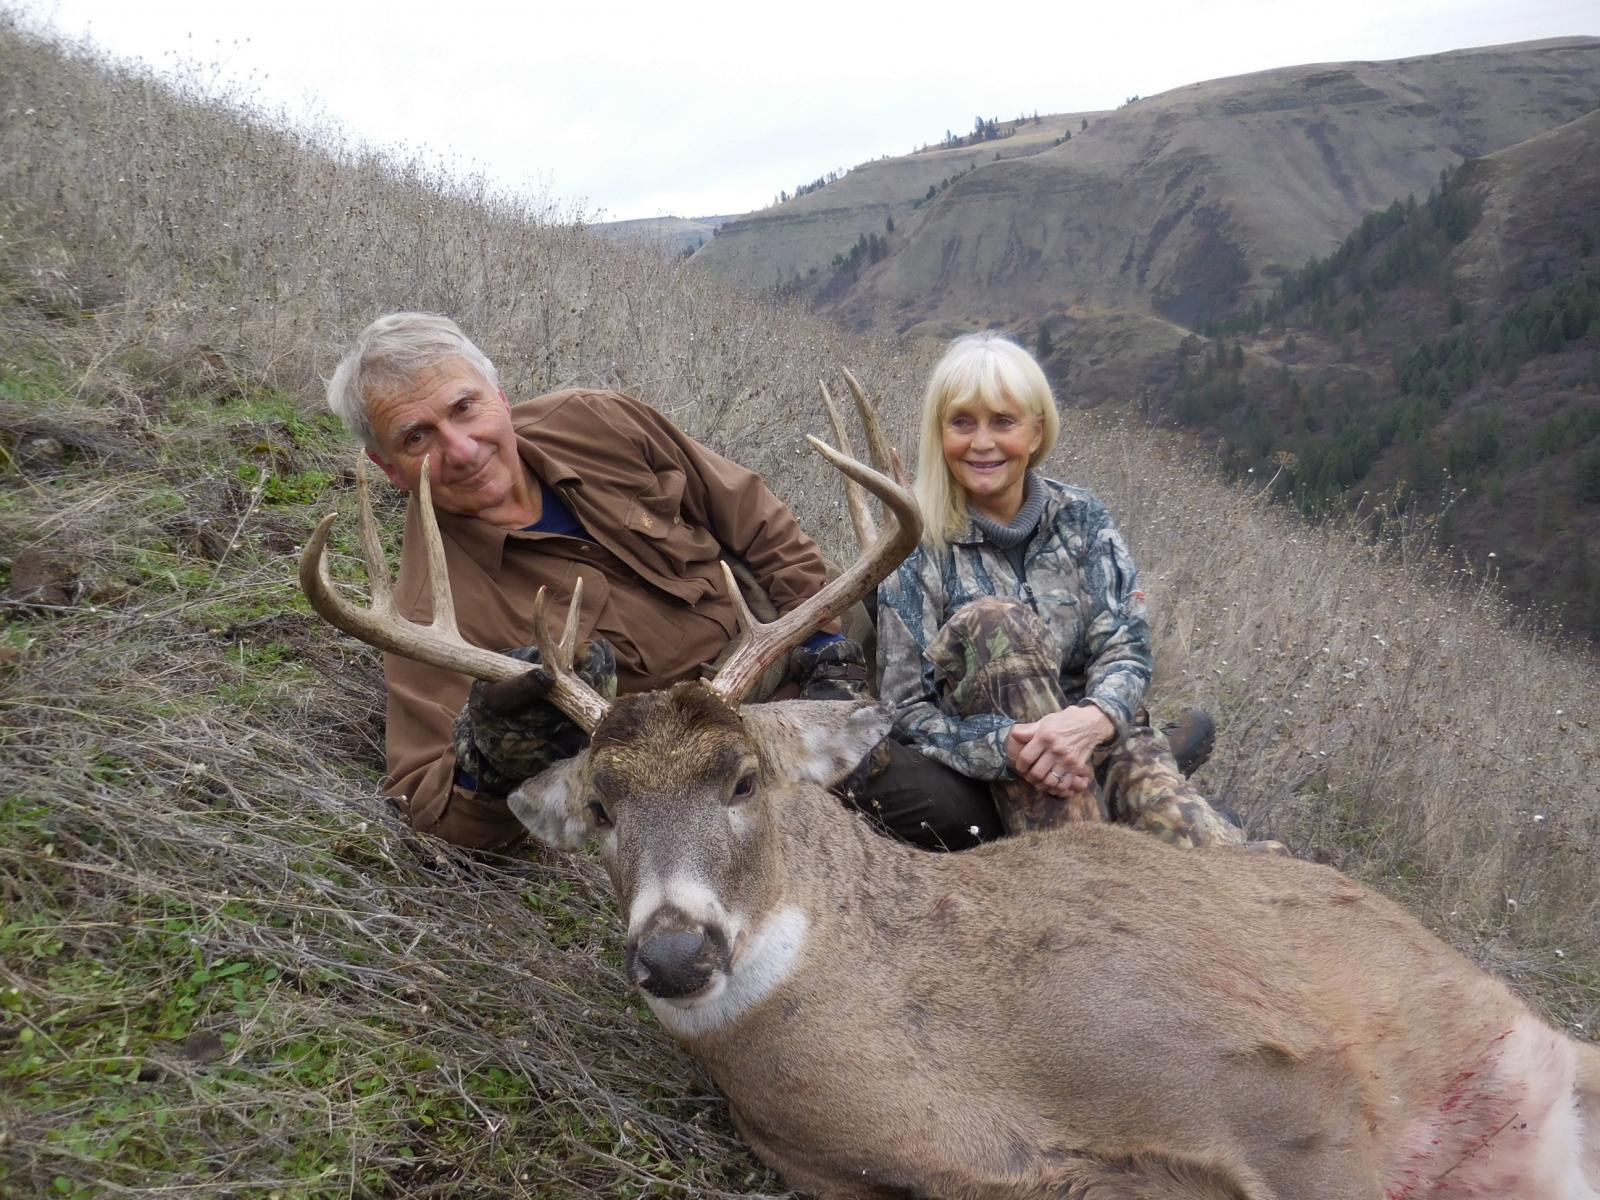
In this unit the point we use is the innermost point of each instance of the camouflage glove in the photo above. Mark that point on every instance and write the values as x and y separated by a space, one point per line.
835 671
508 732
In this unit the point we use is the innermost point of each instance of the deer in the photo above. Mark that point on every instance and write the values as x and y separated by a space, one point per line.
1083 1012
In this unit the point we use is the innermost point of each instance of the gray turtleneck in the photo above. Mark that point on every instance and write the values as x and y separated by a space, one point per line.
1014 538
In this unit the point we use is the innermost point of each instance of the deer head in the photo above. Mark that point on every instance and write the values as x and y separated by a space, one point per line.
677 785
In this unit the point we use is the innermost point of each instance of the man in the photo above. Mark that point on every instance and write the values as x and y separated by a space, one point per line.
577 484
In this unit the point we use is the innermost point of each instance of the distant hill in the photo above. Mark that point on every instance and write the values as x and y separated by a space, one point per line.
1180 206
793 245
682 234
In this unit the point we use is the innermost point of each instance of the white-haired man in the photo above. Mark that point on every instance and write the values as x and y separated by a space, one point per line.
577 484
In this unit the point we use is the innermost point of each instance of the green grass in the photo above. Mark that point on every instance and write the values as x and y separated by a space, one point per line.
226 968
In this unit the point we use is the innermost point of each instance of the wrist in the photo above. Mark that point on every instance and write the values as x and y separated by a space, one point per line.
1105 727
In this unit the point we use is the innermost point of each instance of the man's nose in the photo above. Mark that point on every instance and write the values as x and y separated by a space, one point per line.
455 446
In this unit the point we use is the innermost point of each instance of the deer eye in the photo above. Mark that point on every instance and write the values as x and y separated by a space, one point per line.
744 789
597 811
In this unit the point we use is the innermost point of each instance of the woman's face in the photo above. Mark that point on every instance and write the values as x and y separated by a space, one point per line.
987 449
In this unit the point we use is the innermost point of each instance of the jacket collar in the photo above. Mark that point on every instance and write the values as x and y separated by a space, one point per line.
1054 497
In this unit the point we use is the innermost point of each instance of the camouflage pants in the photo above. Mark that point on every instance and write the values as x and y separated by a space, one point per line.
996 655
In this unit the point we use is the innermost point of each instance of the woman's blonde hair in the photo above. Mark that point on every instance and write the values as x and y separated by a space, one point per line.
979 370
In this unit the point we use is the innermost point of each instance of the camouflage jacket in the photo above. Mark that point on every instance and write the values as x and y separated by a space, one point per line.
1077 575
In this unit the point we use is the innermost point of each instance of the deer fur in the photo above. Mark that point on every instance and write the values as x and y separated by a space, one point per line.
1083 1013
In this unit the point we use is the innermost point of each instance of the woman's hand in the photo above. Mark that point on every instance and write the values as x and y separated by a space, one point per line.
1054 753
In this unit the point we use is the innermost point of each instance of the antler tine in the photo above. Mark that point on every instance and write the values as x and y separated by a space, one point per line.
378 581
760 645
439 643
444 605
884 456
860 514
571 694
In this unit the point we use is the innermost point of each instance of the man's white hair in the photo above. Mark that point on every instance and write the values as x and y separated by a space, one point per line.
388 355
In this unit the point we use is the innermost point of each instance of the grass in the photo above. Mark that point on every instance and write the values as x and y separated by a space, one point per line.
227 969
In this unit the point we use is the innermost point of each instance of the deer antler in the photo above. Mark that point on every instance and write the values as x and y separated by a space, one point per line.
438 643
860 514
571 693
884 456
762 644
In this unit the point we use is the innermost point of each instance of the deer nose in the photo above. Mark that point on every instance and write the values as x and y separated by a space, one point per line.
672 964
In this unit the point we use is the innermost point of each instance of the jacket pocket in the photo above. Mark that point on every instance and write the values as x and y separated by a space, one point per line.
656 510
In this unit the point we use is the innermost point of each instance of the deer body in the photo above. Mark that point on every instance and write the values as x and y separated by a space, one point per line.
1078 1014
1076 1009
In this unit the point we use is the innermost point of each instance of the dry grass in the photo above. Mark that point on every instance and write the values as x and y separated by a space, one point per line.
229 971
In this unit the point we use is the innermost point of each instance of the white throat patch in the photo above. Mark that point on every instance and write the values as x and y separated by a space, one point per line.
764 962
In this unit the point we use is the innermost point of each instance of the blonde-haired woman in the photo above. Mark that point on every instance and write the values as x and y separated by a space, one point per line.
1013 640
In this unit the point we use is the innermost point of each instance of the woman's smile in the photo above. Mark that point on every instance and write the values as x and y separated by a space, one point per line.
987 450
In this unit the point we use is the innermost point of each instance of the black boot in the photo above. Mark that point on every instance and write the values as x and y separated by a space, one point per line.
836 671
1191 739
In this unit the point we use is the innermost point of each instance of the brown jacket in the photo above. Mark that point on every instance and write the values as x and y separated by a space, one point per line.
663 510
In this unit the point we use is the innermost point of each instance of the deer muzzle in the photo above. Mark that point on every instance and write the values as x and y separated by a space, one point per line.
677 962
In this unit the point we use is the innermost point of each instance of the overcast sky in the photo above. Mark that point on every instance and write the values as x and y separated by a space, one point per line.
635 110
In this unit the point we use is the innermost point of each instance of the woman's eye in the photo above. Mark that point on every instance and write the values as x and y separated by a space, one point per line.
602 818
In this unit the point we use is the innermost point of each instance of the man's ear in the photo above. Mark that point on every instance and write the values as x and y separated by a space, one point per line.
819 740
389 469
552 806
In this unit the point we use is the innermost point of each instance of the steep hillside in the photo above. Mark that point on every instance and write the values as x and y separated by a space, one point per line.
1180 205
1450 348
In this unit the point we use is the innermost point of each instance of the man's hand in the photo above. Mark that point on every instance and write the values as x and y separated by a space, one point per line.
1055 752
508 731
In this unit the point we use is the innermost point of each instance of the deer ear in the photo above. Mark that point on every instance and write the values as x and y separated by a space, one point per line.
819 740
551 804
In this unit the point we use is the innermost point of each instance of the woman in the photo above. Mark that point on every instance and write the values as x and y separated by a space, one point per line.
1013 640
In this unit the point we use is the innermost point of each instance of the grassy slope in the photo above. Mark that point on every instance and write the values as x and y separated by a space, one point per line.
228 970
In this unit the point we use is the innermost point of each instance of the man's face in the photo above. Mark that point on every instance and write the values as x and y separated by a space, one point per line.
452 416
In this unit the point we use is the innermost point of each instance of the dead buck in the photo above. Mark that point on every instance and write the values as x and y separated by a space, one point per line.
1082 1013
